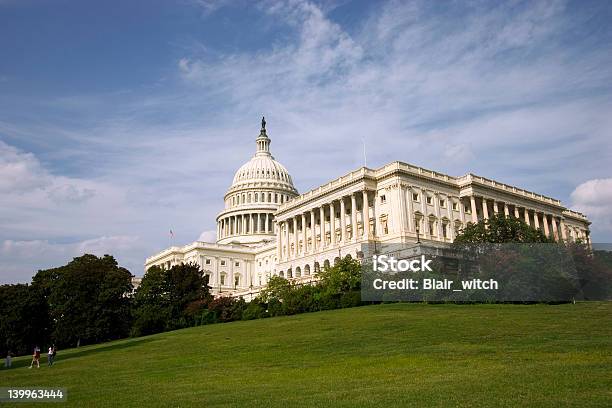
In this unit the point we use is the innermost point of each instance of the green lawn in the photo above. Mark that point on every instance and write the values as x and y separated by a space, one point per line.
385 355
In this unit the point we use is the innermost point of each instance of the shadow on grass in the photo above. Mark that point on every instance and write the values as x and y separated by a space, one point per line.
79 353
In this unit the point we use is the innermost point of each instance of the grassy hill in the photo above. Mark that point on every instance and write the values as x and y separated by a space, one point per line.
385 355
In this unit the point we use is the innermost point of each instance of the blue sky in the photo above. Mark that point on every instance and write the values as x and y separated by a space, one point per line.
121 120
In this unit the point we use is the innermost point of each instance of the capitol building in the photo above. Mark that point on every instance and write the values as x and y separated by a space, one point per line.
267 228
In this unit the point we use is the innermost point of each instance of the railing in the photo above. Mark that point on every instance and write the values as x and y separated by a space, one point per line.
470 178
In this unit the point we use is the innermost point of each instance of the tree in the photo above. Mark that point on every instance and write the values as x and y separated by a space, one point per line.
169 299
24 319
88 299
499 230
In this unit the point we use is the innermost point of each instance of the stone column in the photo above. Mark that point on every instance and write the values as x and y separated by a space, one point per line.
506 210
410 214
527 216
554 228
461 211
425 225
436 199
365 215
402 211
536 221
279 250
563 231
243 224
485 208
267 227
545 222
287 242
354 217
313 231
332 223
450 228
322 216
516 212
296 238
304 237
474 213
342 220
495 207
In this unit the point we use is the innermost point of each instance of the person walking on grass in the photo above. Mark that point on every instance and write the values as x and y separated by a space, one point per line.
36 357
8 361
50 356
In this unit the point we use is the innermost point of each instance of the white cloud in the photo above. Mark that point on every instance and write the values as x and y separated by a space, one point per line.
594 198
20 171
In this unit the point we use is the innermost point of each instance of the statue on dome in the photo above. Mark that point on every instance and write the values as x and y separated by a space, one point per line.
263 123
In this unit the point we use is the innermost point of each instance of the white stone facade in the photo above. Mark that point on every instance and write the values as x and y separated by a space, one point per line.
266 229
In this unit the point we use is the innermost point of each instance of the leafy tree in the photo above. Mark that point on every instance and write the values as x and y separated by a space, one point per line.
88 299
169 299
344 276
500 229
24 319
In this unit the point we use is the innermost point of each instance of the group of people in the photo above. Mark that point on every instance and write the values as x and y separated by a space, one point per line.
8 361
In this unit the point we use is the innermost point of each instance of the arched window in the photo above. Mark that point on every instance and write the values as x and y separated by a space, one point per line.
256 197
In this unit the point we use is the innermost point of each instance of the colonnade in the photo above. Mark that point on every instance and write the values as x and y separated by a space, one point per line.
242 224
552 225
339 221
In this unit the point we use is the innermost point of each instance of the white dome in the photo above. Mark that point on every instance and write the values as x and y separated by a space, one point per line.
262 169
259 187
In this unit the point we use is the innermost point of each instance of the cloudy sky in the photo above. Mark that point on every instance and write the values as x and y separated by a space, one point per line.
122 120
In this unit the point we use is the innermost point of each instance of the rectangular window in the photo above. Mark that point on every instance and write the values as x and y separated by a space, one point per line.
443 203
237 264
428 199
222 263
383 199
455 206
466 208
415 197
208 262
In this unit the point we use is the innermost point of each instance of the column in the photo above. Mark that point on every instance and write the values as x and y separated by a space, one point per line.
354 216
485 208
495 207
436 198
402 208
304 237
251 231
563 231
279 250
474 213
295 237
425 222
313 231
342 220
506 210
516 212
545 221
410 210
461 211
332 223
287 243
554 228
322 216
365 215
243 224
536 221
527 216
267 227
450 228
258 224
